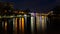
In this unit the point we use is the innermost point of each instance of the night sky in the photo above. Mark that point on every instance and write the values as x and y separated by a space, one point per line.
42 5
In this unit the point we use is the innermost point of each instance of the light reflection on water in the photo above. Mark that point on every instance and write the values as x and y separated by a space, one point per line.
21 24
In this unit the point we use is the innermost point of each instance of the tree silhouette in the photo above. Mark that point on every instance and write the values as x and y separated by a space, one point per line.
8 7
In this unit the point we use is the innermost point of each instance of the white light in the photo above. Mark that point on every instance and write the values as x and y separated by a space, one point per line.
25 15
32 24
32 14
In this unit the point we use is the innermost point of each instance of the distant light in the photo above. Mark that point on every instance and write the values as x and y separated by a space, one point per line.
15 11
51 12
11 16
21 12
32 14
25 15
18 15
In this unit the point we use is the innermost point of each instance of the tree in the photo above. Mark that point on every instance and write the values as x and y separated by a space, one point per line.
9 8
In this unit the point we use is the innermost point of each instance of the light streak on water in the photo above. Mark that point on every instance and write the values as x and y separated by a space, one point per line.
15 25
43 23
25 21
25 18
5 25
2 23
32 25
32 22
38 23
22 25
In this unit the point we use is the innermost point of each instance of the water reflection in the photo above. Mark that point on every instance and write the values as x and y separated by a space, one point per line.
5 25
21 24
15 26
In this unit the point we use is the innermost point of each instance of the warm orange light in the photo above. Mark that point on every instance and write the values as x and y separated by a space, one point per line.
21 12
22 24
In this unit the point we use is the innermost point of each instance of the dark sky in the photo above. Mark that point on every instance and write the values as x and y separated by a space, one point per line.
32 4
